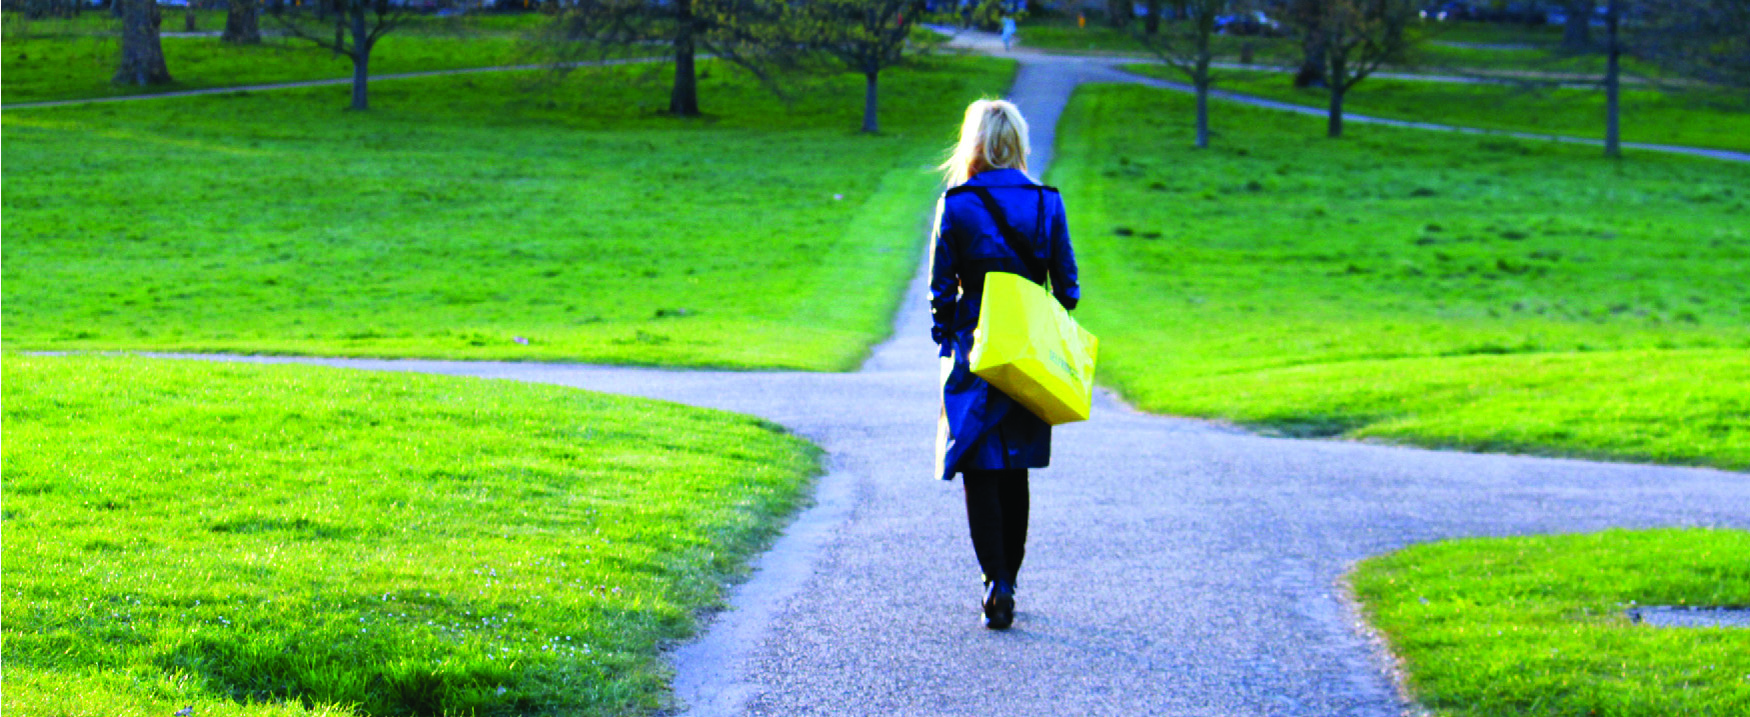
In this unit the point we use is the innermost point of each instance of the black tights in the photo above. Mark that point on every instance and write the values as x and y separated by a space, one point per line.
996 509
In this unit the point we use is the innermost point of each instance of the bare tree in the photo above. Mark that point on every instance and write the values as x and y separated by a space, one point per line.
142 55
866 36
1706 40
1356 37
357 26
745 32
242 23
1185 46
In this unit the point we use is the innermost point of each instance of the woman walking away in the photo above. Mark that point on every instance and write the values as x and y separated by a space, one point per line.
1008 32
994 217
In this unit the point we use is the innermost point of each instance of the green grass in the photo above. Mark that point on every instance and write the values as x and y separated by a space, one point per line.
1412 286
1433 52
56 62
1695 118
188 533
1062 35
1497 33
462 214
1536 625
1053 34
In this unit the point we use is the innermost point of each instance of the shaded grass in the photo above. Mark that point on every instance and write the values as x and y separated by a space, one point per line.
211 534
1444 290
1440 47
48 65
1536 625
1694 118
56 69
463 217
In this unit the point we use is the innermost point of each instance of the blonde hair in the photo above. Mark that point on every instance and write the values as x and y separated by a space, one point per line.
994 136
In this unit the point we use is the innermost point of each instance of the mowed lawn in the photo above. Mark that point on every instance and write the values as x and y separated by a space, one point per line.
1413 286
1539 624
231 537
1715 119
473 217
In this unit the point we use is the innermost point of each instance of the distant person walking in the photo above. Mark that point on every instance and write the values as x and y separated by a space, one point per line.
1008 32
984 435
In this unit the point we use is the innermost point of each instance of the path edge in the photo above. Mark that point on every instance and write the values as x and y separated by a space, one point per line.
1380 655
709 678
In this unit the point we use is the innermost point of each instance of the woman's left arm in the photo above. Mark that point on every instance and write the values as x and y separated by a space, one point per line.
944 281
1063 257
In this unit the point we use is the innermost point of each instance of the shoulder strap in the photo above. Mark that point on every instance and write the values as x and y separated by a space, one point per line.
1017 240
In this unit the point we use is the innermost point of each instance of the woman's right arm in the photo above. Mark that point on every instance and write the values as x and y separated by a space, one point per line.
944 280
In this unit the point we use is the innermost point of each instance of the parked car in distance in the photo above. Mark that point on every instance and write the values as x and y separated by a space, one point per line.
1451 10
1248 23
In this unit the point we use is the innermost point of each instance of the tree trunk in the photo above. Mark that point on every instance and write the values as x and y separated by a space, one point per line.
142 58
188 18
242 23
361 58
1203 111
1205 27
683 101
1613 84
1577 33
1338 79
869 101
1152 24
1312 63
1334 127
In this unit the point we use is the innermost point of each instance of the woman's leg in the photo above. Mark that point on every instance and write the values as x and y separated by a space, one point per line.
1013 490
996 511
984 515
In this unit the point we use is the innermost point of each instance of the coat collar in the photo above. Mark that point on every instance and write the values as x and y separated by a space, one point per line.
1001 178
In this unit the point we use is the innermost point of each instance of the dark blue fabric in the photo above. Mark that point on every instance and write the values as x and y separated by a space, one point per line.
981 428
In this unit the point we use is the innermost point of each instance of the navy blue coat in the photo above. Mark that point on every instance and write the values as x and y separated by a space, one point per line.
980 427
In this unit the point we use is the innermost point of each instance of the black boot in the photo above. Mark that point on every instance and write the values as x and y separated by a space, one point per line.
999 605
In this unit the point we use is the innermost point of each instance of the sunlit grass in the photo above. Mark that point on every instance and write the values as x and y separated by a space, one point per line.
1444 290
210 534
465 217
1536 625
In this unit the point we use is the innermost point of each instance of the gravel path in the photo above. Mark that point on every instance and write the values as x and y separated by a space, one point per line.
1175 567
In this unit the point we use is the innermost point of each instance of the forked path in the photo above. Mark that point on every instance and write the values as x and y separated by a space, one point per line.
1175 567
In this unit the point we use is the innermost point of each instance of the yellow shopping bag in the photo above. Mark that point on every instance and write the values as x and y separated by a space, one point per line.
1028 347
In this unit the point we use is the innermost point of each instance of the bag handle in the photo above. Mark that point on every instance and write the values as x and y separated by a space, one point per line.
1017 240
